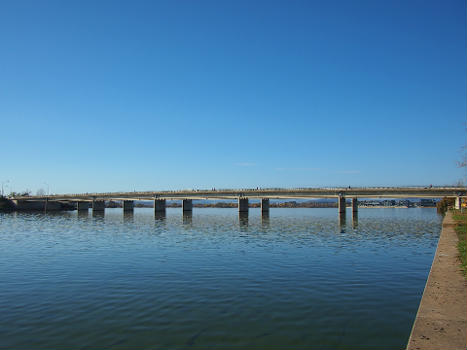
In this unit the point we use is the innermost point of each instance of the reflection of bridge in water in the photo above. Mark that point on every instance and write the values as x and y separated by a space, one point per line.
96 201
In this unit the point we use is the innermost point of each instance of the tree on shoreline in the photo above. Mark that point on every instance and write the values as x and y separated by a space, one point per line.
24 193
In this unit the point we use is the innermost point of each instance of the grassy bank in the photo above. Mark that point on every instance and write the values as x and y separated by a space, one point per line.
461 230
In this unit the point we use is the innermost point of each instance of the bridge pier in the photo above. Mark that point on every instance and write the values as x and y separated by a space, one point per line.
187 205
82 206
188 217
243 219
243 205
98 206
457 204
355 212
354 205
160 215
355 220
341 221
128 205
341 205
264 206
159 205
265 219
128 216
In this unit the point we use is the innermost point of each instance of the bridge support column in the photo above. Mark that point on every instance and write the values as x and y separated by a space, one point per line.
82 206
243 205
264 205
128 205
457 204
265 219
187 217
187 205
341 205
243 219
354 205
98 206
159 205
354 212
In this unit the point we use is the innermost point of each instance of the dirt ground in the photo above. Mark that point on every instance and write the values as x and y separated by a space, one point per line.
441 321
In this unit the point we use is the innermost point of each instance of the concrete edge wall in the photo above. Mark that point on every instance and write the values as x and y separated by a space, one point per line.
441 321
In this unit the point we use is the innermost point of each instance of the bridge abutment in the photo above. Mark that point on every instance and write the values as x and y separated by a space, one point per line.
36 205
243 205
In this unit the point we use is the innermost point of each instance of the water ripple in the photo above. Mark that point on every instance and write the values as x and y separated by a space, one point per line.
297 278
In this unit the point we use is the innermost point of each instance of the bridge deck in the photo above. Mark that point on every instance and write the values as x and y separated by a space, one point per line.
272 193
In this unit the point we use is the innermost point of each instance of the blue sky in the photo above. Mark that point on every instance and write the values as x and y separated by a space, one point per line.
140 95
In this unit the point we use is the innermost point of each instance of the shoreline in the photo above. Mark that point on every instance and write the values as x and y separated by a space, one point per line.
441 320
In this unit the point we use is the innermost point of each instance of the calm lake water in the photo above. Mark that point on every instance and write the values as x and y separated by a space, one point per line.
297 279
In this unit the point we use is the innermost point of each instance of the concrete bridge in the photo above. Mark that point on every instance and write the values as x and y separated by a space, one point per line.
97 200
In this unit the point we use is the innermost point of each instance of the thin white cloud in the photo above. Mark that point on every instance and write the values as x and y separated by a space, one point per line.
348 172
297 169
245 164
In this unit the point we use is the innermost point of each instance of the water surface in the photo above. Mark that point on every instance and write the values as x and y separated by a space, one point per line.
213 279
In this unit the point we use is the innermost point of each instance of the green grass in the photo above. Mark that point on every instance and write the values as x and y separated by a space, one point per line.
461 230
